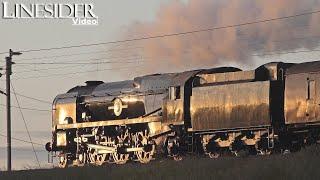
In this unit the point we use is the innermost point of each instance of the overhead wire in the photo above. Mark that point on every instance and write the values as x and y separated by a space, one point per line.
89 71
25 124
83 63
123 62
286 40
72 73
140 47
76 54
26 108
52 68
60 67
32 98
74 64
285 52
22 140
173 34
209 29
111 62
107 62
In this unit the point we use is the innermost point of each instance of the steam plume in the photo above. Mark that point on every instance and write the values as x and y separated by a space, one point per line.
231 45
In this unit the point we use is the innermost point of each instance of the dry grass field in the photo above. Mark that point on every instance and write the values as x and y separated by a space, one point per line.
304 164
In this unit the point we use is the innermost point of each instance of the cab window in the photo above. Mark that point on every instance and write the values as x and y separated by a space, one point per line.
311 89
174 93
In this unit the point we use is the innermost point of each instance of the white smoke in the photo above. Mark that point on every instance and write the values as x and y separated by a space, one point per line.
228 45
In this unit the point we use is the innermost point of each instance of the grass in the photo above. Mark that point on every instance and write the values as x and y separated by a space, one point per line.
301 165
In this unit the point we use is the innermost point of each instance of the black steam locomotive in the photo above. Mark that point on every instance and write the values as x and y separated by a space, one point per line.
273 108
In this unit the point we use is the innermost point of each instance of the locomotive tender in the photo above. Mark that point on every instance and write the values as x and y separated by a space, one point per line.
215 111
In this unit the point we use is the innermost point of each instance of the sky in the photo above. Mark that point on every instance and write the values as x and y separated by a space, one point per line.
118 19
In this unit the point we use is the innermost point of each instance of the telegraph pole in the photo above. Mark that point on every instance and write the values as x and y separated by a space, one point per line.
8 74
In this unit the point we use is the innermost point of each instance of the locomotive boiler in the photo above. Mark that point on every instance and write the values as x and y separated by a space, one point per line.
224 110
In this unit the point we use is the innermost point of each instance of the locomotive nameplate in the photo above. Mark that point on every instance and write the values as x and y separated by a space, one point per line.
110 123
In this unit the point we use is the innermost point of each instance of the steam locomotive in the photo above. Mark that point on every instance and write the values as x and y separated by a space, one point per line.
224 110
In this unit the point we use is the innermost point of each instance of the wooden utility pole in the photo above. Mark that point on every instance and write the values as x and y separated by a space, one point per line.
8 74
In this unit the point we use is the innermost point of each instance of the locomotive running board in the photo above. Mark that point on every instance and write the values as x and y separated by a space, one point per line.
110 123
